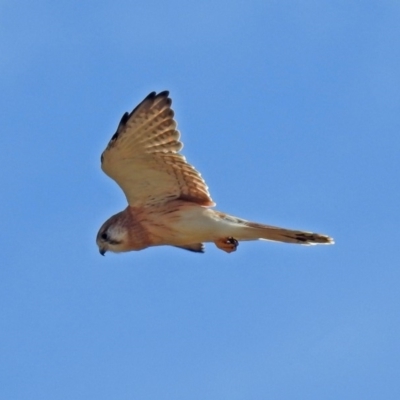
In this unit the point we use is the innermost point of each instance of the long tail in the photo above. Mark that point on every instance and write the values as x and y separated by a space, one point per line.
277 234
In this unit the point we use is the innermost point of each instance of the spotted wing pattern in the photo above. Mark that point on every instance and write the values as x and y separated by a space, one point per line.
143 157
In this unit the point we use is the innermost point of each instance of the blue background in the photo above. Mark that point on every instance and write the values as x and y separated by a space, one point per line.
291 112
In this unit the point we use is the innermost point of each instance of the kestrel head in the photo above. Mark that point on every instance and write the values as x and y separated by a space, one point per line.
113 235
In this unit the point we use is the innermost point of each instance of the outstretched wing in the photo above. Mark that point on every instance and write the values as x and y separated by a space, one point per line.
142 157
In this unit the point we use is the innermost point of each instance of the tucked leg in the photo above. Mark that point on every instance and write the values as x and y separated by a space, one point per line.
229 244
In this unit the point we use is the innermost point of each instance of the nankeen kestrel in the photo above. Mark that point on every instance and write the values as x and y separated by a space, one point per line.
168 200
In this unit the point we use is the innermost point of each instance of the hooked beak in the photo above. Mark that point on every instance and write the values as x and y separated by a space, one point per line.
102 251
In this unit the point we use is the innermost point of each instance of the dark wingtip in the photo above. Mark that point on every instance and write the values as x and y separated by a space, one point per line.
151 95
195 248
164 93
124 119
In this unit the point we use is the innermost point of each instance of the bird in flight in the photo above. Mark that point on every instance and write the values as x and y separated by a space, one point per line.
168 200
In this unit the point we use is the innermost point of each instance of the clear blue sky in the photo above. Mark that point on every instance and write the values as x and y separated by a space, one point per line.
291 112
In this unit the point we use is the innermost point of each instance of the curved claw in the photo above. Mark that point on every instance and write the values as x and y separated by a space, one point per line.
228 244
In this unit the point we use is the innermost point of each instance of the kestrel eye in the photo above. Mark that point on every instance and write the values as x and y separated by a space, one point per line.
104 236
